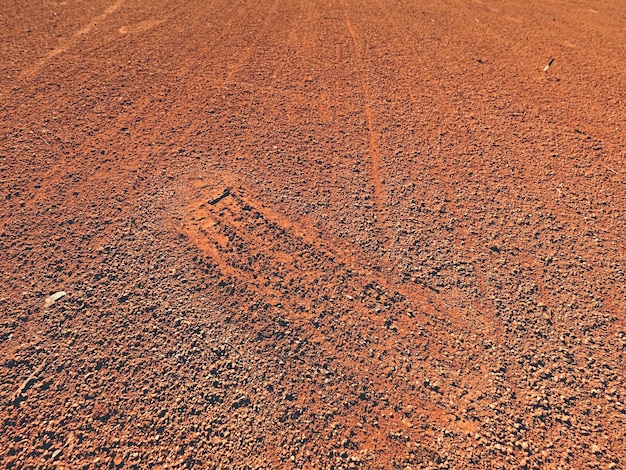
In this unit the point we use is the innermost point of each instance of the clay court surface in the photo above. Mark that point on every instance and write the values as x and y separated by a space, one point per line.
313 234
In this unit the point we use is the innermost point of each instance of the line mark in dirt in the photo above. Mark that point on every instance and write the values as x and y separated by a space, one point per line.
29 72
444 101
140 27
193 127
373 149
243 58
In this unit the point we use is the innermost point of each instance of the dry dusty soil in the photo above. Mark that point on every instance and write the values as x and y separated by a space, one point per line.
324 234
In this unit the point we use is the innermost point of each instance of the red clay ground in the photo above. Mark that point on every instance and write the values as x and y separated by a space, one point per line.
313 234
